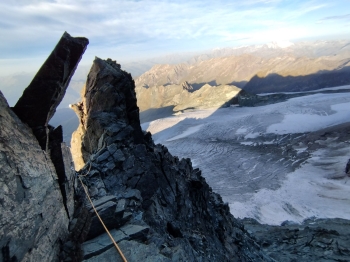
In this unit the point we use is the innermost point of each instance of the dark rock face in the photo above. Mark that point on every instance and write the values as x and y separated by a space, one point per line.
103 108
186 86
41 98
313 240
37 187
33 218
347 168
145 185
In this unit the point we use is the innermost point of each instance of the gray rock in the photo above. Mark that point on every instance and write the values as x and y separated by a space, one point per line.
135 232
126 217
110 165
116 96
37 187
101 201
38 103
133 251
101 243
123 134
107 214
103 156
93 191
313 240
32 215
114 129
72 224
119 156
140 151
129 162
112 148
121 206
133 194
138 216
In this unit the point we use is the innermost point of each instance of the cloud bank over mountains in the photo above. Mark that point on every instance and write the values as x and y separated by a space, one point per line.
140 29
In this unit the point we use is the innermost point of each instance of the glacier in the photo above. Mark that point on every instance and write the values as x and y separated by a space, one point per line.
273 163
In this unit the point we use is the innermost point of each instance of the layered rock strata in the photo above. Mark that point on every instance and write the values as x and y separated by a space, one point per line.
33 217
157 203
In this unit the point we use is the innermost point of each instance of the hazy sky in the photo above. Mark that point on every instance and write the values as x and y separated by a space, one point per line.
136 29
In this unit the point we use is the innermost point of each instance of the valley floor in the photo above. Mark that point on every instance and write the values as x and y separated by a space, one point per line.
273 163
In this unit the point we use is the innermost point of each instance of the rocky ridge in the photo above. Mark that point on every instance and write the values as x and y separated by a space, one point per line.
160 197
157 207
277 72
237 70
183 96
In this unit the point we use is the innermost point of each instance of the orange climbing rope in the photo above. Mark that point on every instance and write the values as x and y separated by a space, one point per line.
88 196
109 234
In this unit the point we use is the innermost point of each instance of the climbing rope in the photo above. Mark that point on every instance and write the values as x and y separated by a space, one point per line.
109 234
88 196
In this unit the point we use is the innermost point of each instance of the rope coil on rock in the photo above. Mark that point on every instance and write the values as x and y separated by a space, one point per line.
104 226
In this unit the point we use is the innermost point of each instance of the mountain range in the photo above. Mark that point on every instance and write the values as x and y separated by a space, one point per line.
214 78
256 69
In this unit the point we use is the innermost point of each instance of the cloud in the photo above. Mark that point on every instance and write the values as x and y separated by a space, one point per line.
116 23
137 29
338 17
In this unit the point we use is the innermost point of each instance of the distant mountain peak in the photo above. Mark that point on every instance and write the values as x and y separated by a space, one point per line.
279 44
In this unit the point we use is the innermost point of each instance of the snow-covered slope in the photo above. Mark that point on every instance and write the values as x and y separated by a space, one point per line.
274 163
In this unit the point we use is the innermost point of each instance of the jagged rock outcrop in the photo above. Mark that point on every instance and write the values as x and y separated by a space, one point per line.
33 217
186 86
140 187
36 177
40 99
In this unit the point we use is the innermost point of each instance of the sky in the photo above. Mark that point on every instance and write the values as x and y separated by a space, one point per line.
131 30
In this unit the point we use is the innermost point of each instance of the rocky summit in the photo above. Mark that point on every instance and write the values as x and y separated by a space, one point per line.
157 205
